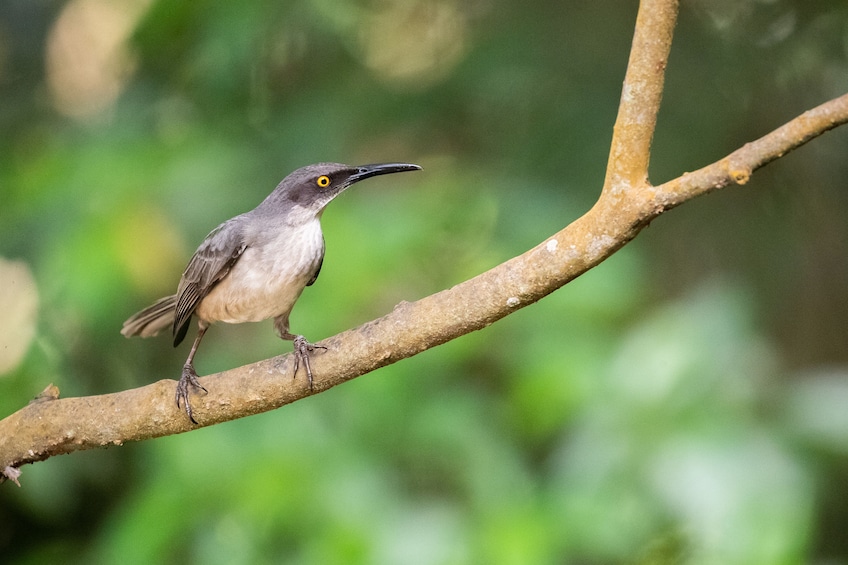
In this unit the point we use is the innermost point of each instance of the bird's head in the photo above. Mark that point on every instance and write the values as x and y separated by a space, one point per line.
313 187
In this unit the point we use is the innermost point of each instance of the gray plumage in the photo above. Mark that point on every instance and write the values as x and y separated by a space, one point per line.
256 265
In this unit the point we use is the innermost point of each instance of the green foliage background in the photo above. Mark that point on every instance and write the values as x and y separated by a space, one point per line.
685 402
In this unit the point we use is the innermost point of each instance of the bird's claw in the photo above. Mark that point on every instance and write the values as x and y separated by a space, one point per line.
189 377
302 348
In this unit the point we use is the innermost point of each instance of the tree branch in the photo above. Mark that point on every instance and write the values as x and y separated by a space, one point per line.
51 426
630 149
737 167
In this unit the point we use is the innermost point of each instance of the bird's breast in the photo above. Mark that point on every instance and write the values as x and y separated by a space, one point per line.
267 279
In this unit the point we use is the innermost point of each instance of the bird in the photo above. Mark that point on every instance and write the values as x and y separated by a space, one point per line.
255 266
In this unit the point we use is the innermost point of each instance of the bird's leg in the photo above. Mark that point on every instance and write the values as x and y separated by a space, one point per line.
189 376
302 347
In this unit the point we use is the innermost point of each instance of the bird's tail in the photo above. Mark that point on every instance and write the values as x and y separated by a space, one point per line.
151 320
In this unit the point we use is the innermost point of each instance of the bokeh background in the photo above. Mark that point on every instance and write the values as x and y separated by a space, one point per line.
684 402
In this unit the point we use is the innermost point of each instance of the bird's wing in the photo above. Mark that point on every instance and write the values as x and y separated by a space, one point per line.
210 263
317 272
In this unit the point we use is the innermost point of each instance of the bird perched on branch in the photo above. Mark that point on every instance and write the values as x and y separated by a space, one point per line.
255 266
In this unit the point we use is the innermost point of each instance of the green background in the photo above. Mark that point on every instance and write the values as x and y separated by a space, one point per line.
684 402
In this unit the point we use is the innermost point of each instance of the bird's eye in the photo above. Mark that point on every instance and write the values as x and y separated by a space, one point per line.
323 181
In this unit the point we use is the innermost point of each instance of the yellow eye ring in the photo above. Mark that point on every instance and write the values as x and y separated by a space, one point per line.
323 181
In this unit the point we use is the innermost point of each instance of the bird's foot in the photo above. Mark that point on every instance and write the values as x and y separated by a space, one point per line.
188 378
302 349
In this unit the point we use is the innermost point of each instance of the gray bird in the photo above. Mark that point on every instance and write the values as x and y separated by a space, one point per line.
254 266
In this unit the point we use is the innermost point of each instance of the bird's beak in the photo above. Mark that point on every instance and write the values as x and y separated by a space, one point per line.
367 171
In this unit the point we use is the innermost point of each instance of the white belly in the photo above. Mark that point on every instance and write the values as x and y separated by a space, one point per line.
267 279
